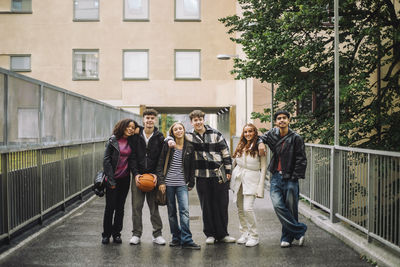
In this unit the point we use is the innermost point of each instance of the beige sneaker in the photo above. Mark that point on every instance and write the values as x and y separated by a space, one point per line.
285 244
242 239
210 240
302 240
159 240
252 242
134 240
228 239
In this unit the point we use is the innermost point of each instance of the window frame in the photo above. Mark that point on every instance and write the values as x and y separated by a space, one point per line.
21 55
138 19
175 65
74 78
85 20
28 11
187 19
123 65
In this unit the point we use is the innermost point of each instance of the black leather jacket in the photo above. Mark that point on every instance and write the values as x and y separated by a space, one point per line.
147 155
290 149
187 160
111 157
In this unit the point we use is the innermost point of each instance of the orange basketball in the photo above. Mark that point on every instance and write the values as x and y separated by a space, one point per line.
146 183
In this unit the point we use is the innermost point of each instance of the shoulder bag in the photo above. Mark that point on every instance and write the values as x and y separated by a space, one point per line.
161 198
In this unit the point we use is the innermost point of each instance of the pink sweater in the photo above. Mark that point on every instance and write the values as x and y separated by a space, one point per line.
124 153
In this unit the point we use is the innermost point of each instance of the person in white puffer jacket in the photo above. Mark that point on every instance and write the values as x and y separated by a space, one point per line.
247 183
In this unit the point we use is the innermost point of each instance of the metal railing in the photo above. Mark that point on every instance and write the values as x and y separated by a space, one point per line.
51 145
358 186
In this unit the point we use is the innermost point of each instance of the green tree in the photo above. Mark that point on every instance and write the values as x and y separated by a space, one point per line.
291 44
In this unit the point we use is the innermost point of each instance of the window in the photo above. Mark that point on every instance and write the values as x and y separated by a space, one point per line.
316 102
136 64
85 64
187 10
187 64
136 10
20 62
21 5
86 10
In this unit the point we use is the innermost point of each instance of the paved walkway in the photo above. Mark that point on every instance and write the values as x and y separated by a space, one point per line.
76 241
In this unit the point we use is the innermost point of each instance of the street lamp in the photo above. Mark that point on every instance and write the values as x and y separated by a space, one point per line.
227 57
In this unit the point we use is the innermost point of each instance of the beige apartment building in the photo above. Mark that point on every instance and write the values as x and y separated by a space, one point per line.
132 53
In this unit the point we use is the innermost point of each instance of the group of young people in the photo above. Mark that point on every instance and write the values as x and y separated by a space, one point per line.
188 158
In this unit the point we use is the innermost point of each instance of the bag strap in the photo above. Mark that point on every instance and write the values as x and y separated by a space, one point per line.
166 161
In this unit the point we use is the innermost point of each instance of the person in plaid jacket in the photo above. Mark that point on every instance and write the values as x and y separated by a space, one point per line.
211 152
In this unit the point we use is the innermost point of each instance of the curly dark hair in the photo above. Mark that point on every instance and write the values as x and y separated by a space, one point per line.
120 127
245 146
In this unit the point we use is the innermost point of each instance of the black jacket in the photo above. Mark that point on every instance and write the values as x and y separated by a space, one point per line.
111 157
187 160
147 156
290 149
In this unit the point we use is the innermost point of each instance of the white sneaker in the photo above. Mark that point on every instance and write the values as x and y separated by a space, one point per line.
301 241
252 242
285 244
210 240
228 239
134 240
242 239
159 240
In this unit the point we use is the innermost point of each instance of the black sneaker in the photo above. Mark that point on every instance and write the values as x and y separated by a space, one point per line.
191 246
174 243
117 239
105 240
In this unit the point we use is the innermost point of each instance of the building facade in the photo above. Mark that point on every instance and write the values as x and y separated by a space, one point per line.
130 53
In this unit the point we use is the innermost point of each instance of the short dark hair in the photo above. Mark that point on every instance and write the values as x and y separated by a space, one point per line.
196 113
120 127
279 112
150 111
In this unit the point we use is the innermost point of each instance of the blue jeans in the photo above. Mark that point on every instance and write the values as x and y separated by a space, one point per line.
180 233
285 199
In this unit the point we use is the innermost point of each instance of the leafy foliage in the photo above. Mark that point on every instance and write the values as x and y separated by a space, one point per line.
291 44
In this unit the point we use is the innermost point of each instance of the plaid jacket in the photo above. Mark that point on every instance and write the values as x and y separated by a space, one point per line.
211 151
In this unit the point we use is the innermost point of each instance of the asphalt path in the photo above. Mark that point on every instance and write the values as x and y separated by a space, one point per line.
76 241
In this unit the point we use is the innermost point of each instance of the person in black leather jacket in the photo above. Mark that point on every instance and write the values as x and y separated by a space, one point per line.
288 164
148 145
117 164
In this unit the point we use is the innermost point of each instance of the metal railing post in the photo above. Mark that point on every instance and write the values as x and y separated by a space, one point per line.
312 182
63 174
371 203
334 185
80 171
39 153
40 173
6 197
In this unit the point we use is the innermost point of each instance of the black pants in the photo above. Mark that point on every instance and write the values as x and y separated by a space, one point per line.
115 203
214 200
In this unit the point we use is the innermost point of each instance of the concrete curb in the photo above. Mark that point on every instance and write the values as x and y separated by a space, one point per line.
373 251
45 228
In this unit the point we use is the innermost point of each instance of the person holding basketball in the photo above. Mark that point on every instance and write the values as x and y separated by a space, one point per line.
148 144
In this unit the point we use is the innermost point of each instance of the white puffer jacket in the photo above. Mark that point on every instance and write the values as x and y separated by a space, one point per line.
250 173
